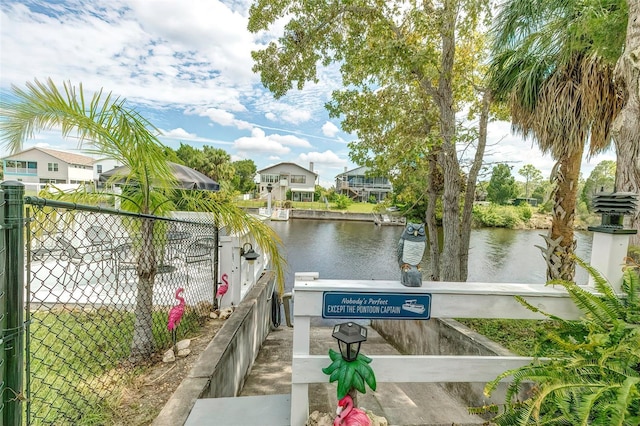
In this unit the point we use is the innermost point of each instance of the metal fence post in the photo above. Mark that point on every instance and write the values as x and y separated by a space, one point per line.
3 308
13 283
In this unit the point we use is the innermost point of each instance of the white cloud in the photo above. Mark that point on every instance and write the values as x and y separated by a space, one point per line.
178 133
219 116
329 129
258 142
290 140
209 26
284 112
327 158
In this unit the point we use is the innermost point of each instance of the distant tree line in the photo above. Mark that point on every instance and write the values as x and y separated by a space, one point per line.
502 188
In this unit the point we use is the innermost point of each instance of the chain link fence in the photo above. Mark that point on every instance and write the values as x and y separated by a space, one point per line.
99 287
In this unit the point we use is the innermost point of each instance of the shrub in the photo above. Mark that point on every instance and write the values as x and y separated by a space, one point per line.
343 202
496 216
594 378
525 212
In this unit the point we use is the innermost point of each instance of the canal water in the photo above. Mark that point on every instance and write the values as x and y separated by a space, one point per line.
365 251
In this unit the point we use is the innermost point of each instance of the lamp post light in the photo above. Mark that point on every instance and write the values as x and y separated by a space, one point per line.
250 256
248 253
269 189
349 336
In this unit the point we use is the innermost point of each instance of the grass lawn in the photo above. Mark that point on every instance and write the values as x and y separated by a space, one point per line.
522 337
78 362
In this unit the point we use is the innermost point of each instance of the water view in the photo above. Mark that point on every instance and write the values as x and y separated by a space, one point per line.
362 250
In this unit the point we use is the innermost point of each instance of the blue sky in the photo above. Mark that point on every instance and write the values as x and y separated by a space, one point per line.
186 66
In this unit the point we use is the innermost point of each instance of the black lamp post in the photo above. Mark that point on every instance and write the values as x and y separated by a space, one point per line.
349 336
248 253
613 207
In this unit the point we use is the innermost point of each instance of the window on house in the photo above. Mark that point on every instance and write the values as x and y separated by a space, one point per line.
21 167
52 167
99 168
269 178
298 179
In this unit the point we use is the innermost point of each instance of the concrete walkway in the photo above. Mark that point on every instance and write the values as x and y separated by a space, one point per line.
401 403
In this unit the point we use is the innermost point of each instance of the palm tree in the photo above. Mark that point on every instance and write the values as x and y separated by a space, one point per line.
560 92
104 126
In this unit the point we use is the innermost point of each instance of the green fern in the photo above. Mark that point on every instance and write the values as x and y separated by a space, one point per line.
594 379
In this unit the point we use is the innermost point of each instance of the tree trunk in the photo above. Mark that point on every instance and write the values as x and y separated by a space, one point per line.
626 126
450 267
143 343
465 227
432 227
560 243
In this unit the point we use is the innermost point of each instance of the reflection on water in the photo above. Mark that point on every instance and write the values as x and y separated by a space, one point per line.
362 250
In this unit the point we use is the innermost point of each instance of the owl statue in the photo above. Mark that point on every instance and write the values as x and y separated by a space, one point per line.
410 250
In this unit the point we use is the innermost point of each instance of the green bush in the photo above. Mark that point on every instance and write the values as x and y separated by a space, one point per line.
525 212
343 202
495 216
546 207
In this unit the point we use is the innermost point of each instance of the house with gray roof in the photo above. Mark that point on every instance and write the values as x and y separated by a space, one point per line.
360 185
284 177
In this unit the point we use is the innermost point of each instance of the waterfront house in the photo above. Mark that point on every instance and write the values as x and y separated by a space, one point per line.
36 167
359 185
285 177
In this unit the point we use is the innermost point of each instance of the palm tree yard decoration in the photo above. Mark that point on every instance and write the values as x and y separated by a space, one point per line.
105 127
559 86
349 367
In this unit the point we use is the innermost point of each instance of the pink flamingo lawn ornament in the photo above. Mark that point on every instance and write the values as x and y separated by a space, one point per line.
222 288
348 415
175 315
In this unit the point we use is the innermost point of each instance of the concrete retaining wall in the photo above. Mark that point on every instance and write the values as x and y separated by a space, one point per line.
222 368
324 215
330 215
445 337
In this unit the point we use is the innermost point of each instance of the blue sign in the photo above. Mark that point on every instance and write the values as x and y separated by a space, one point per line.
376 305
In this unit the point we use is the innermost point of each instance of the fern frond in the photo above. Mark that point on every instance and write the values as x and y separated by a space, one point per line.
602 310
631 287
600 282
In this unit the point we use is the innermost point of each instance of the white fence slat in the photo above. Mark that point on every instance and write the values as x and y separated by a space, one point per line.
415 369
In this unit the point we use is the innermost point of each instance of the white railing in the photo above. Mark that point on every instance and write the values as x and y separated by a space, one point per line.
448 300
240 274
